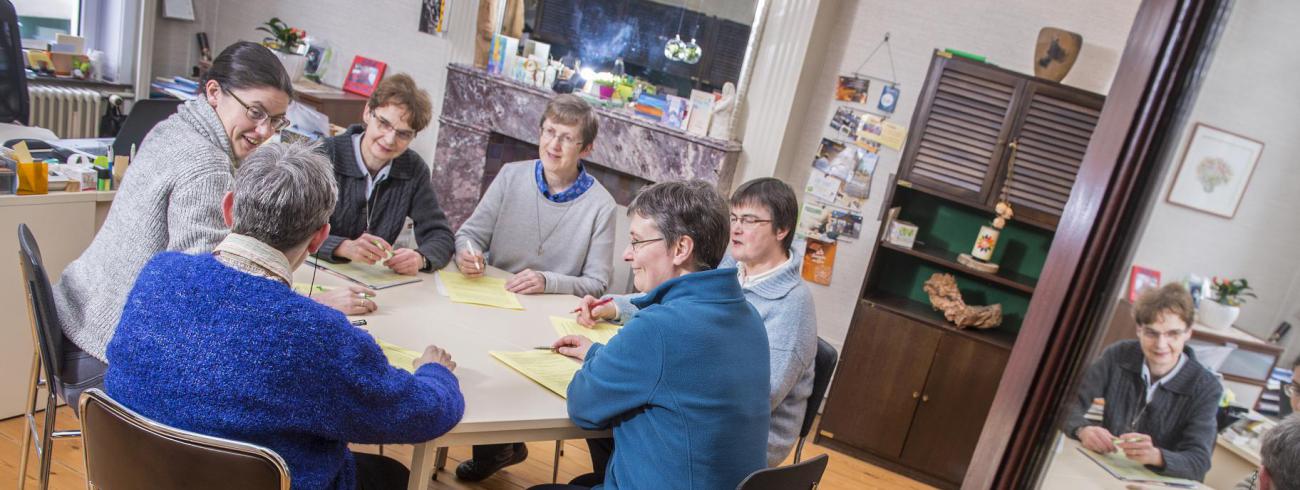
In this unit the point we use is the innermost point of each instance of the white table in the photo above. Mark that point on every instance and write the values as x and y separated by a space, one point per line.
1070 469
501 405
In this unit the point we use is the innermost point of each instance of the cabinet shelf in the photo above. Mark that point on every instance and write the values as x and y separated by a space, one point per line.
1048 227
944 258
926 314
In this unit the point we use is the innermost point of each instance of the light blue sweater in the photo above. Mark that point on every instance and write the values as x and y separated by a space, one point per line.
786 306
683 386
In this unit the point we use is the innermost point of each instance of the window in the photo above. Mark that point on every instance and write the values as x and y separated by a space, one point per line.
42 19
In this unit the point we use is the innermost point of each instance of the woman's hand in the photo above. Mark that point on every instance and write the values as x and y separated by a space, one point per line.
575 346
366 248
351 300
527 281
405 261
589 316
434 354
470 264
1140 448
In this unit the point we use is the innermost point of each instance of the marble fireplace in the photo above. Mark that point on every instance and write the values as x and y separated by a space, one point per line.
488 120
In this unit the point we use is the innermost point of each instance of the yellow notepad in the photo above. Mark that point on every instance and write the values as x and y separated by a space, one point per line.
398 357
486 291
1119 466
371 276
601 332
551 370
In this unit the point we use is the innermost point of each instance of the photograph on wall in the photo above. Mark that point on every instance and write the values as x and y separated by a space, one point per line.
814 221
846 121
818 261
433 16
364 76
822 186
845 224
852 89
1215 170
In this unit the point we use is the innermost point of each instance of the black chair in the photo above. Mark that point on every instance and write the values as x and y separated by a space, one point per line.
47 361
823 366
126 450
14 104
799 476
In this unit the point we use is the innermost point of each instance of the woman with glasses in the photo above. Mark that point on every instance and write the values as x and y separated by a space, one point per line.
170 200
1160 402
382 182
763 215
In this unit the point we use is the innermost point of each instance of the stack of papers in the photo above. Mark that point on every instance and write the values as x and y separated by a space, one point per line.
551 370
371 276
398 357
600 333
485 291
1126 469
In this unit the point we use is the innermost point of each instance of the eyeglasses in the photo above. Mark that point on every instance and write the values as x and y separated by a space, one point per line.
258 115
748 220
387 127
1153 334
1292 390
549 134
634 243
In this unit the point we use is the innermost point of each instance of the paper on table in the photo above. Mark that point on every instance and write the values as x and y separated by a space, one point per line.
551 370
398 357
486 291
1126 469
371 276
304 288
601 332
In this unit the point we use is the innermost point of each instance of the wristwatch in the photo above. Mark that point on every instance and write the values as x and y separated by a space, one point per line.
424 262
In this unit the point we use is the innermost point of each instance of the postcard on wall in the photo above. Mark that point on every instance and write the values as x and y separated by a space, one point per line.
876 129
818 261
888 99
433 16
852 89
846 122
846 224
812 221
822 186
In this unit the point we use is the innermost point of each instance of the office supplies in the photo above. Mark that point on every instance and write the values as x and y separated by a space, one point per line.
595 305
485 291
552 371
358 323
601 332
398 357
371 276
478 257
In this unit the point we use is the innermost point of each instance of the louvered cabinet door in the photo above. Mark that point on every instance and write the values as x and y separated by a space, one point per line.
960 129
1051 137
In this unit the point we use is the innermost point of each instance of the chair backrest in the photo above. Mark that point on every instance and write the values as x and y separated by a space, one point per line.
46 328
14 103
823 366
126 450
799 476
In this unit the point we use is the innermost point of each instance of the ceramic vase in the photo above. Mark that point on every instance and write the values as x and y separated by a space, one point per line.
985 243
1217 315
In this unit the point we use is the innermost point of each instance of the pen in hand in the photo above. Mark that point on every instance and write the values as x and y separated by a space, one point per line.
477 256
595 305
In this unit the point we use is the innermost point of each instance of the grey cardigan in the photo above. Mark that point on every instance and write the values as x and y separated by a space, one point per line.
785 304
170 200
408 191
1180 418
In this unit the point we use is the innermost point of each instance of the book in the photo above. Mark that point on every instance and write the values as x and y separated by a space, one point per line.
701 112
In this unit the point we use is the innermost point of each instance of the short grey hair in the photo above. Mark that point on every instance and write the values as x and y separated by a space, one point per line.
1281 453
692 208
284 192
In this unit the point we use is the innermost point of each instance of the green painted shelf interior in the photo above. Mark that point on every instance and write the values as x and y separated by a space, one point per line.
904 276
950 226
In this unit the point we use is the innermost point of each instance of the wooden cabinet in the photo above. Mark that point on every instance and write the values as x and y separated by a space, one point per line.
912 390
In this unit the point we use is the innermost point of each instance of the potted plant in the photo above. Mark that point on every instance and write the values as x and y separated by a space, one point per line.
1227 297
287 44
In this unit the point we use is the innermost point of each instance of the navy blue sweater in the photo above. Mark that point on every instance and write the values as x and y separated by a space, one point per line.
206 348
684 386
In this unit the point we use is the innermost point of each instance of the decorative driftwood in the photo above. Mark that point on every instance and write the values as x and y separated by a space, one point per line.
945 297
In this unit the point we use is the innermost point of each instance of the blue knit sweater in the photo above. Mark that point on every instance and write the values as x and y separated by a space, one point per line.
206 348
684 386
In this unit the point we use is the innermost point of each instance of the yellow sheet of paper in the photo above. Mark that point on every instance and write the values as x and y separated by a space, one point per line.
371 276
304 288
1126 469
398 357
602 332
21 155
485 291
547 368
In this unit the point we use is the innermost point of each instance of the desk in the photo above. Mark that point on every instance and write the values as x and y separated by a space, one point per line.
342 108
1070 469
501 405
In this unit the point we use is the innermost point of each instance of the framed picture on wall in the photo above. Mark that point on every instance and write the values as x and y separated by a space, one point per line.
364 76
1215 170
1140 280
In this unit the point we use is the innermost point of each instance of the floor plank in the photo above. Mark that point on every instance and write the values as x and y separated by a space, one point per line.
68 469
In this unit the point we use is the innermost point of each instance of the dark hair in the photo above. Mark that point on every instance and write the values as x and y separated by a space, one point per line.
247 65
1172 298
400 90
571 110
692 208
778 198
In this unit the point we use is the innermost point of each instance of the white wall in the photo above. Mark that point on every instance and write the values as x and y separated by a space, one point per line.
384 30
1248 91
1005 31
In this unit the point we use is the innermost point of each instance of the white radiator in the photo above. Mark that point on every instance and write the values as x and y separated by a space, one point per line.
68 112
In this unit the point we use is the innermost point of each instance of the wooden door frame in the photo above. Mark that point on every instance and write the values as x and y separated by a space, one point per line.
1160 68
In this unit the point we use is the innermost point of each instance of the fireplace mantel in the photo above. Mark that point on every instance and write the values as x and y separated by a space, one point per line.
478 105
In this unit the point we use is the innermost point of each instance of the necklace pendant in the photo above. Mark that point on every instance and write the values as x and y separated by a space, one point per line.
539 250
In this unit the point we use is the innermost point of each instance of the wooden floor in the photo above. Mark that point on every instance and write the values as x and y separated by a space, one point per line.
68 472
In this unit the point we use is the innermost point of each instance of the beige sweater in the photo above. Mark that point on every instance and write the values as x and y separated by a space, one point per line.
170 200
